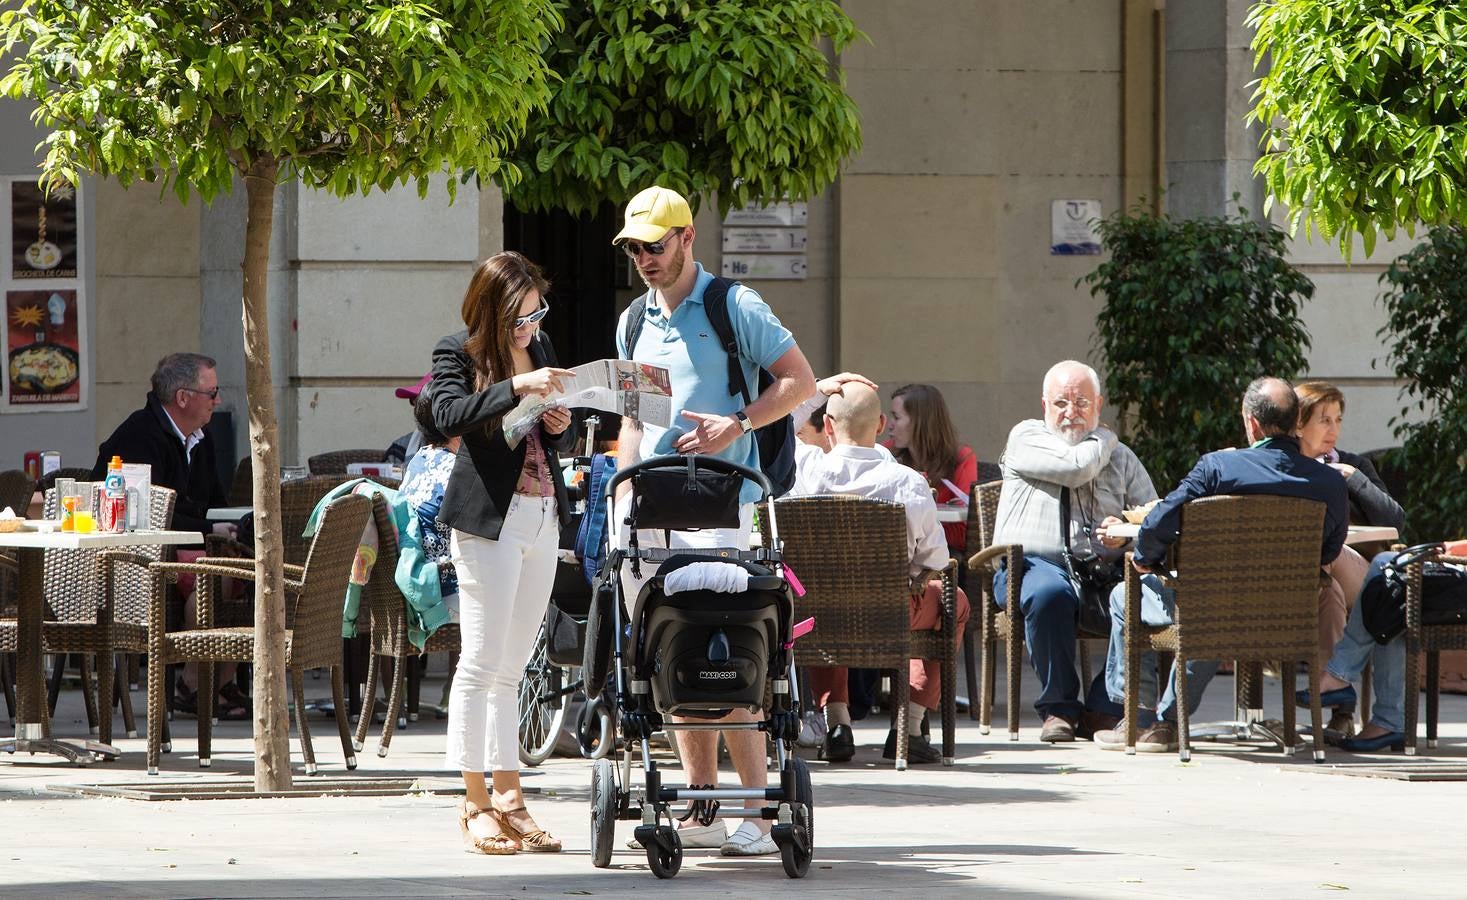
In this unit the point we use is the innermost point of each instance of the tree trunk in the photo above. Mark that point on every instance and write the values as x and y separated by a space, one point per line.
271 725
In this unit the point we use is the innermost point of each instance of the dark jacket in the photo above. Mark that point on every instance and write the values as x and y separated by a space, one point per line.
148 436
1273 466
1370 502
486 469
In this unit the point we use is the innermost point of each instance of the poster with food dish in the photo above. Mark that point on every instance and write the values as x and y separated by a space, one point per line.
42 349
43 235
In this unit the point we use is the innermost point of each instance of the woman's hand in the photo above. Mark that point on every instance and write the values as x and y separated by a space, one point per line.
555 420
541 381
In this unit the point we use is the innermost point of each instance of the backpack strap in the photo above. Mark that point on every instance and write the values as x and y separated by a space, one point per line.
636 315
715 305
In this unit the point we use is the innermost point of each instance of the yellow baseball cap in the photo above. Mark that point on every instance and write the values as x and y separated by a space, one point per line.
652 212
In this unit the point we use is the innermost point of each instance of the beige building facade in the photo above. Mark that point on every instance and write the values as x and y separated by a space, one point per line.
929 261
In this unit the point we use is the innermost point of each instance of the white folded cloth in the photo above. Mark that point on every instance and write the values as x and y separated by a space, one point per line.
725 578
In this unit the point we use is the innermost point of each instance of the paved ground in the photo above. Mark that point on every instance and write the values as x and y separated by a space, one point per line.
1017 820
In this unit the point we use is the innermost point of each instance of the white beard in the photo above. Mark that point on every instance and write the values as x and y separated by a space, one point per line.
1072 436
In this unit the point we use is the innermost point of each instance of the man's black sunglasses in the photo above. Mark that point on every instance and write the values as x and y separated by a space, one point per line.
634 249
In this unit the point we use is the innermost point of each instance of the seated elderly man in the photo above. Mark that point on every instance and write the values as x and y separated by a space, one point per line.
1067 457
1272 465
854 465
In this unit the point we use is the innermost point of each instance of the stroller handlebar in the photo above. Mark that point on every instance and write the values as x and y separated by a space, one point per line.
676 462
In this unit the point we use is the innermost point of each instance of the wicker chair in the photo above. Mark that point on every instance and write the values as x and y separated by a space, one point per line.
312 629
851 555
334 462
16 490
387 608
242 487
1431 640
48 480
1247 582
995 625
97 603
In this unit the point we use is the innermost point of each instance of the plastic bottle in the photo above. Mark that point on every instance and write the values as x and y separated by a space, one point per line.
114 498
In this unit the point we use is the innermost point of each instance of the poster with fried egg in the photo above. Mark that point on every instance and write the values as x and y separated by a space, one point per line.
42 231
42 349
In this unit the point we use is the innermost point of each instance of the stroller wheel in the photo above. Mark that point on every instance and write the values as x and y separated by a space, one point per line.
797 840
665 862
604 808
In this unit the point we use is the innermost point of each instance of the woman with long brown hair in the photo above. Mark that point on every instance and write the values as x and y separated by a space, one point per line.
922 436
505 505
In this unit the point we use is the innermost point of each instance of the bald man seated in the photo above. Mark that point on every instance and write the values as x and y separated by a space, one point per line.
855 465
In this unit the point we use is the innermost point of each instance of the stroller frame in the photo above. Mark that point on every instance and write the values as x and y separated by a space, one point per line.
790 804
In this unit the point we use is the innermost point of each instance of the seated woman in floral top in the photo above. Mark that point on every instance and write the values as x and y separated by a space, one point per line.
422 488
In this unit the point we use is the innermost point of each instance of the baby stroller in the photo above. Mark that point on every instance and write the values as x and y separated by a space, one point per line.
711 631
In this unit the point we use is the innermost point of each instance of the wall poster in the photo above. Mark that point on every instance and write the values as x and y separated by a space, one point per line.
43 331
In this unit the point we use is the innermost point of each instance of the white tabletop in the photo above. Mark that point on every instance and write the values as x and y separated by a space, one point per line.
1359 534
228 513
946 513
95 540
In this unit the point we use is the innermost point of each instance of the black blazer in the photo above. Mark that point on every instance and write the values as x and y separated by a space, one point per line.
486 470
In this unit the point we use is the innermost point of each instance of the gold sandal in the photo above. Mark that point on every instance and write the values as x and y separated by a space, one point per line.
537 841
495 845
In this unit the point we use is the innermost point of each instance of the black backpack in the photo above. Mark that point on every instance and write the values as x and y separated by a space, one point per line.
776 441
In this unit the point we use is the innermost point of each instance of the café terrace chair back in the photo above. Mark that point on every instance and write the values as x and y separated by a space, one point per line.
242 486
850 553
314 593
387 607
75 473
1431 640
16 488
334 462
97 603
1247 578
996 627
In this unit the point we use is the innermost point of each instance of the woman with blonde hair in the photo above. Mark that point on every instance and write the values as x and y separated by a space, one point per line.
505 504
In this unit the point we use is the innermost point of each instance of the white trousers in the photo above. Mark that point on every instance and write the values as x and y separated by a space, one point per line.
503 587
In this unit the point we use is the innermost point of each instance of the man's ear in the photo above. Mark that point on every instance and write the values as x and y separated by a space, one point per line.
828 426
881 425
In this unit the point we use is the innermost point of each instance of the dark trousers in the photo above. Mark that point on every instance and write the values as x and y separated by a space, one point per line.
1050 607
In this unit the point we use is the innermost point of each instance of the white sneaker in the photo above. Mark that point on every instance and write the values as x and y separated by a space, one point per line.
748 840
695 837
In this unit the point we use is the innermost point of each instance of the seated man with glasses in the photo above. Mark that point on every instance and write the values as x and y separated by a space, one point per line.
168 434
1066 456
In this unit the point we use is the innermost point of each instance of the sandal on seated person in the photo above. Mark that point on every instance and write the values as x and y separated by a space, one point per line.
536 840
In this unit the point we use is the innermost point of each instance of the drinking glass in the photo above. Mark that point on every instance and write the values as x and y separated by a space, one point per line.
84 517
66 494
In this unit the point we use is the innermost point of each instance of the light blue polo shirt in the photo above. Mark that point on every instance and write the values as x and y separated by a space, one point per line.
686 345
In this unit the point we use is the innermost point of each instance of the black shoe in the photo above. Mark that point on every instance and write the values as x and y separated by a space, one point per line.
840 744
919 749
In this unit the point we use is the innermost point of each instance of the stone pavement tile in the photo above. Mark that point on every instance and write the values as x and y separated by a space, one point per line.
1022 820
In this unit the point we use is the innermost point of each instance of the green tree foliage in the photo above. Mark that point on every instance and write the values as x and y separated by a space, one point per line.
1195 309
345 95
1364 108
1426 330
704 96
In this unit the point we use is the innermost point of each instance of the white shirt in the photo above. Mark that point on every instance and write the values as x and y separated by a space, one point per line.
189 441
871 472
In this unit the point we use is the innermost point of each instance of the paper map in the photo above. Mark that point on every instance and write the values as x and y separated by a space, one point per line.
635 390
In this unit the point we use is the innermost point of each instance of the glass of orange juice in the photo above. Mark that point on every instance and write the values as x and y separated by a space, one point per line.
84 520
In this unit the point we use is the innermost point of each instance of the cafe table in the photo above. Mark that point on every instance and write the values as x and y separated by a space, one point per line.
1358 534
228 513
952 513
30 545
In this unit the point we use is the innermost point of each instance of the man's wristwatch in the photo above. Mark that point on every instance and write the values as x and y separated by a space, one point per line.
744 424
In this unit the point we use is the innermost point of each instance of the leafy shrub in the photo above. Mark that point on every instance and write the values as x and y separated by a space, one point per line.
1195 309
1426 330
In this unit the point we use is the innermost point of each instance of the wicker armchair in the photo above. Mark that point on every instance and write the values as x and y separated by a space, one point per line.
1247 582
16 489
851 555
387 607
334 462
97 603
48 480
1431 640
312 629
995 625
